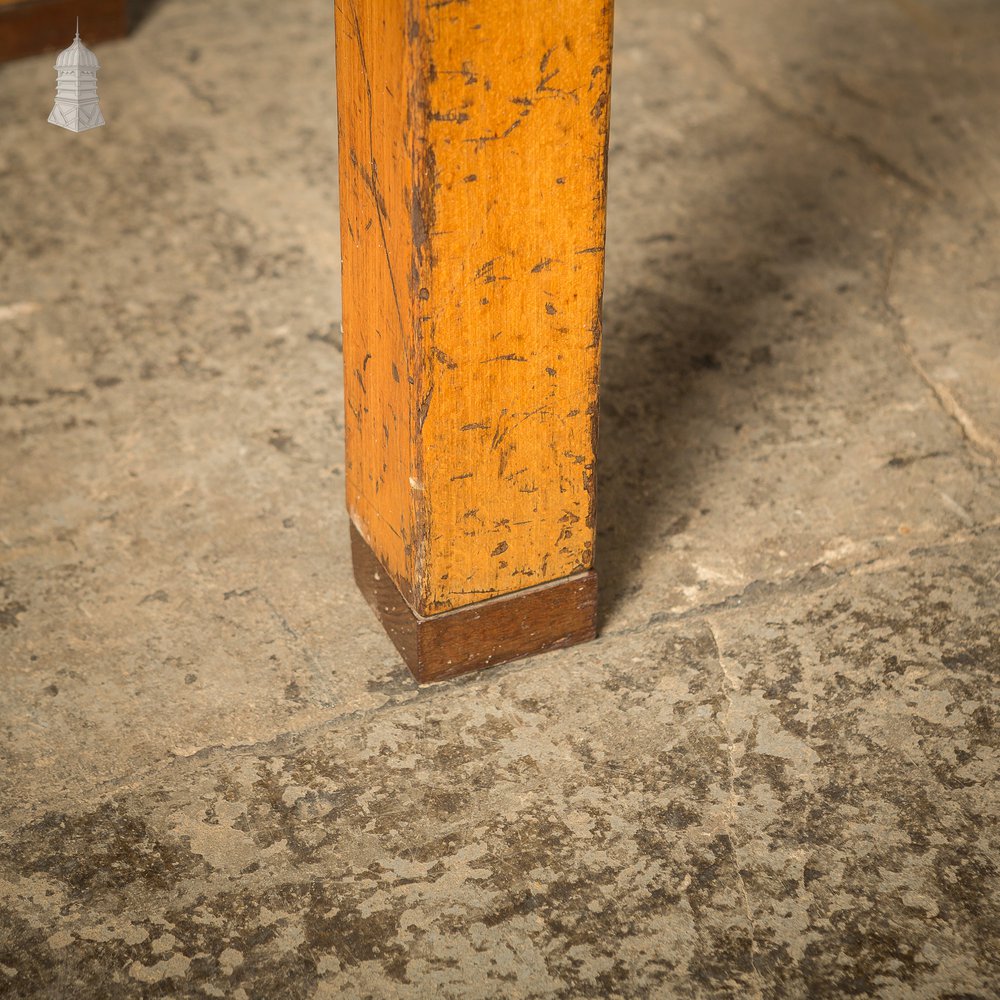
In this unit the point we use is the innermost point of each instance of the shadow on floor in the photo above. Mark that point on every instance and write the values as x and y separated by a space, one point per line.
695 309
139 10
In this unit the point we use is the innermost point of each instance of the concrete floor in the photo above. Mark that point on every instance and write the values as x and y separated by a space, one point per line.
775 772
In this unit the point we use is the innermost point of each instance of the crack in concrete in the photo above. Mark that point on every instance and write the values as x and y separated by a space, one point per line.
275 743
818 576
729 684
981 442
288 630
867 154
192 88
978 440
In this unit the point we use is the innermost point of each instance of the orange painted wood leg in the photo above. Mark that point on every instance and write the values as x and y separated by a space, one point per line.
473 152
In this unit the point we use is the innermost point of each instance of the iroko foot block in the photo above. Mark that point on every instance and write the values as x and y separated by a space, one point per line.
501 629
28 27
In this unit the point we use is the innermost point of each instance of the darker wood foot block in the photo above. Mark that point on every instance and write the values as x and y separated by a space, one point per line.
550 616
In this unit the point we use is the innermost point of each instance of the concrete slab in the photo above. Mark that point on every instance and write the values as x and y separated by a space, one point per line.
774 774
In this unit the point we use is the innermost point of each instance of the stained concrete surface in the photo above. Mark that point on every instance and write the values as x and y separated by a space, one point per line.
773 775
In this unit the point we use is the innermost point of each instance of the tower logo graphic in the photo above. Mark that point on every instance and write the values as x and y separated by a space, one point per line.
76 106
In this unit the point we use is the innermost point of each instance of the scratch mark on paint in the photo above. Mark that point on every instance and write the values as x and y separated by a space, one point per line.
373 180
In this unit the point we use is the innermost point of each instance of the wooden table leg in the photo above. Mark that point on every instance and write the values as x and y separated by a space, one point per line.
473 152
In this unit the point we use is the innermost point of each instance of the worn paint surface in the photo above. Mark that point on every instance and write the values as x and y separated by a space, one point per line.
376 170
472 314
